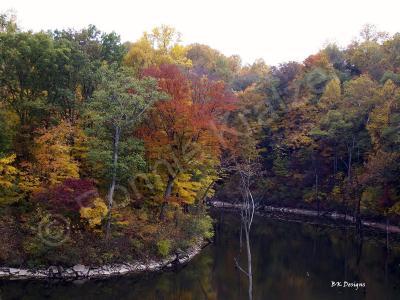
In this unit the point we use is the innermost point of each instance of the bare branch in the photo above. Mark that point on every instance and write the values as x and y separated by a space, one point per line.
240 268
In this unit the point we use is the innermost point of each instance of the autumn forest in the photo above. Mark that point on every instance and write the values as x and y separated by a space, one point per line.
112 151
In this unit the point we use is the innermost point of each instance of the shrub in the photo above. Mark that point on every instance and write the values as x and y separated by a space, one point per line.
205 227
94 215
164 247
69 196
199 226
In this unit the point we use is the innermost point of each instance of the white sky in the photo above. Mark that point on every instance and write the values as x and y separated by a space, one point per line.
275 30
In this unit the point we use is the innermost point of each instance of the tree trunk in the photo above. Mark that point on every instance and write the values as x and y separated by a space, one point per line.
111 190
350 149
387 233
350 154
358 214
204 197
316 193
167 193
249 269
335 163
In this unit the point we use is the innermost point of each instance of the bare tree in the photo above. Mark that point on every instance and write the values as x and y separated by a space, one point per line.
247 168
246 173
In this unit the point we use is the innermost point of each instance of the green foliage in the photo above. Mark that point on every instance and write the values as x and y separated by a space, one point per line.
119 103
78 106
199 226
164 247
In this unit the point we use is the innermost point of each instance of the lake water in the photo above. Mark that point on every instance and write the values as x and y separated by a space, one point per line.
290 261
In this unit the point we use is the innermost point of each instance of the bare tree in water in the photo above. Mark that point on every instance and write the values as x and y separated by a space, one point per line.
247 168
247 215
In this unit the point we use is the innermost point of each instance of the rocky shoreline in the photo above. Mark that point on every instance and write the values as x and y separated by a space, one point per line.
79 272
308 213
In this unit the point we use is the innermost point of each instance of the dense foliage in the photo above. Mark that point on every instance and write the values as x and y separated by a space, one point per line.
329 128
108 151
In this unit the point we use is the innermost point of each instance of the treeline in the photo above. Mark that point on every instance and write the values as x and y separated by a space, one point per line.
330 128
109 151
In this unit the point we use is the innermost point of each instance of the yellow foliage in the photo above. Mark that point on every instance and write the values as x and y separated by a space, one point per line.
28 183
161 46
94 215
178 54
140 55
53 155
206 189
8 180
395 209
186 189
380 115
8 173
331 95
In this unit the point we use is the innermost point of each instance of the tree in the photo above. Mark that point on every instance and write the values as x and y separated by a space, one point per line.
331 97
245 163
181 134
69 196
161 46
212 63
53 155
8 180
8 129
8 22
118 105
25 59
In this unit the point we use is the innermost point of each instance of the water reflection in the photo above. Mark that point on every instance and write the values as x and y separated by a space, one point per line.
290 261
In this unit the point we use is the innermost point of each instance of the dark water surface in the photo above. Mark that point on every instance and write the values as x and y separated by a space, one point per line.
290 261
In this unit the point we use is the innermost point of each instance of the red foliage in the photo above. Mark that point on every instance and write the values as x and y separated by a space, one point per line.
170 80
190 125
71 195
313 60
193 115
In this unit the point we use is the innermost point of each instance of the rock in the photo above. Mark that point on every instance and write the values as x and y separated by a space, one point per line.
13 271
155 266
182 260
95 272
24 273
140 267
123 270
40 274
81 270
53 270
179 253
69 271
4 272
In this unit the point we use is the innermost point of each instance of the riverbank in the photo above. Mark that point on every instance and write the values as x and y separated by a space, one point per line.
81 272
310 213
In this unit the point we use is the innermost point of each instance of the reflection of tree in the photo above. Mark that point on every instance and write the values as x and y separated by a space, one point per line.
246 169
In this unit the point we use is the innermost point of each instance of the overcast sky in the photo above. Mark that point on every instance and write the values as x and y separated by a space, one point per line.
275 30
